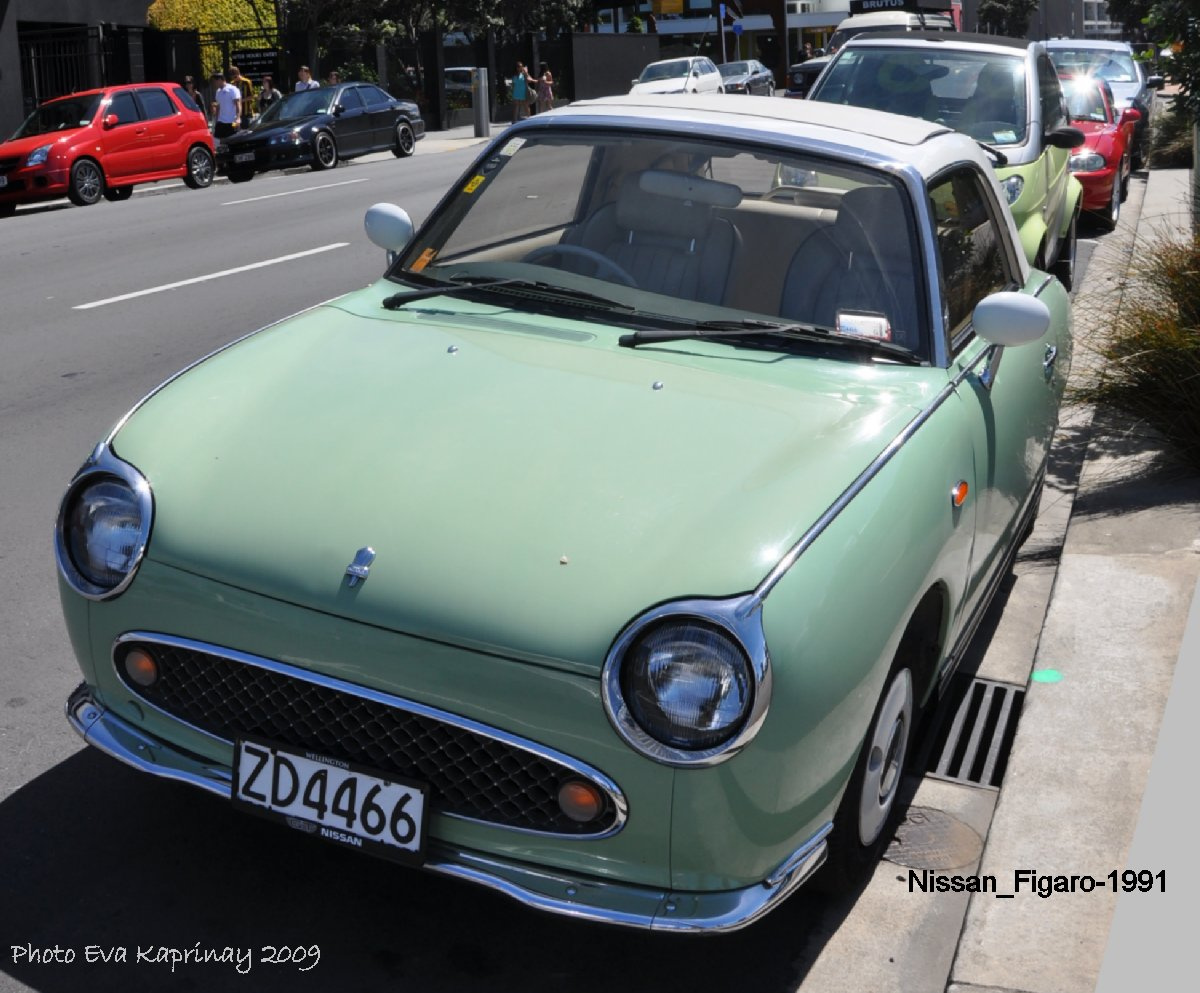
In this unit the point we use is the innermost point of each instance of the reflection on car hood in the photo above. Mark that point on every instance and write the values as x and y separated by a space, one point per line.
23 146
526 488
676 84
260 131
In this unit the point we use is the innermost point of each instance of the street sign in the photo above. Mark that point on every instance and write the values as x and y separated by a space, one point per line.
737 28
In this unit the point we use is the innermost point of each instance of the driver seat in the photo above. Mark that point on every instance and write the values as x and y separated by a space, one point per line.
662 229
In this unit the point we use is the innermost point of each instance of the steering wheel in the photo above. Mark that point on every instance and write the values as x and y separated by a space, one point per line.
602 262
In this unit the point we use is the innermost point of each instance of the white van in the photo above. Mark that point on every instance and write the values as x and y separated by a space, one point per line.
889 20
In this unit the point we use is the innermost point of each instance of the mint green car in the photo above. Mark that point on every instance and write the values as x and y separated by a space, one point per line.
608 550
1003 92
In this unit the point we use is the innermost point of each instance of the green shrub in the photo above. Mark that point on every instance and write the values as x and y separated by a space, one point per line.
1172 142
1151 367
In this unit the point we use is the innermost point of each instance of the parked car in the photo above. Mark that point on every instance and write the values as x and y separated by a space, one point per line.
608 551
888 21
802 75
1114 62
102 143
694 74
1000 91
1103 163
750 76
321 127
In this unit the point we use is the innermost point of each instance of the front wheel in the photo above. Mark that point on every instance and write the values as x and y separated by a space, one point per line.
866 818
405 143
1064 266
240 175
325 152
115 194
1110 217
87 183
200 168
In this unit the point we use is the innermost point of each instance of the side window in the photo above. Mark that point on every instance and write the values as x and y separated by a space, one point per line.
185 99
155 104
374 95
350 98
1054 109
124 107
970 245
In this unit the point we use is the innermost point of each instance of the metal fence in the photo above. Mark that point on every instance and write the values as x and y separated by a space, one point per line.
58 61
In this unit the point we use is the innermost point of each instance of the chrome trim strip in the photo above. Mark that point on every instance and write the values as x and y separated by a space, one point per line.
744 625
755 599
102 462
551 890
611 789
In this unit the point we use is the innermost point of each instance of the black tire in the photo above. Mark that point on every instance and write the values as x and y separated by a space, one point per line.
325 151
1064 265
865 822
240 175
87 183
1125 178
1110 217
200 168
406 141
115 194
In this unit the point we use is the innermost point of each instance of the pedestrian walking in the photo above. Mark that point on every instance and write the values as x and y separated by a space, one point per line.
189 87
545 89
268 96
226 107
521 92
304 79
246 88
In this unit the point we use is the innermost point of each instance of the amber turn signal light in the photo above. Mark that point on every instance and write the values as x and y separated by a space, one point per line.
580 801
141 667
958 495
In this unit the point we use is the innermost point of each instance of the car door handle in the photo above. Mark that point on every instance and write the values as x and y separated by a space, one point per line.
1048 361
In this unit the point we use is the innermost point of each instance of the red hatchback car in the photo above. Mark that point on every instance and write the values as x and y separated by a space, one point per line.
104 142
1103 163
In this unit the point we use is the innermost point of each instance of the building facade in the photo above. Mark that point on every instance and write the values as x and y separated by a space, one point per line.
52 47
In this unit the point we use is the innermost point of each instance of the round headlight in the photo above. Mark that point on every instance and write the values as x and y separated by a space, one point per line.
687 684
1012 187
103 527
1087 162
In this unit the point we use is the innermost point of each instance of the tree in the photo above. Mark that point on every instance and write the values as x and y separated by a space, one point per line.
1006 17
1129 13
1175 24
212 15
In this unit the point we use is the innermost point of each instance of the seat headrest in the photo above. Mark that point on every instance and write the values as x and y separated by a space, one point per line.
873 217
672 203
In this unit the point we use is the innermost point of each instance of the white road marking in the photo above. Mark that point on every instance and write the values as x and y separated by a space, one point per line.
306 189
214 275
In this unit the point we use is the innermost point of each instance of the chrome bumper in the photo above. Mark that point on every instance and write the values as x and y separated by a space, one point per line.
551 890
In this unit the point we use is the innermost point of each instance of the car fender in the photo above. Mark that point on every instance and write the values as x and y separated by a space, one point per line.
1074 202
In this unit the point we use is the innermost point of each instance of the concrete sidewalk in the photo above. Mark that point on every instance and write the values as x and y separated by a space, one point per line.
1102 674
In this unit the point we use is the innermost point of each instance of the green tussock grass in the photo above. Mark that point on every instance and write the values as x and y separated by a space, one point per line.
1151 367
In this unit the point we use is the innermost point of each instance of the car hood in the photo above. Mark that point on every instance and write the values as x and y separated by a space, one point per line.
23 146
525 486
676 84
740 78
260 131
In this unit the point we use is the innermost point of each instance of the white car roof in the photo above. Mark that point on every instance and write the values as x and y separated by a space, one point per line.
947 40
1107 46
885 138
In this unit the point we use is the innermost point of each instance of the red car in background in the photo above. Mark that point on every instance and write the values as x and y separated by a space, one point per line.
1103 163
101 143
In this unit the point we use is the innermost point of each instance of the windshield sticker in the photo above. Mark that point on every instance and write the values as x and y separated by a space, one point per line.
474 184
423 260
512 147
864 325
1001 137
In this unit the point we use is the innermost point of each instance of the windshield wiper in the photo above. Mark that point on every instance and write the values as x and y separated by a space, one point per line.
999 156
706 330
514 287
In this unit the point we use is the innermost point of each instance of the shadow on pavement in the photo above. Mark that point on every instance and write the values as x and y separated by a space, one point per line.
98 855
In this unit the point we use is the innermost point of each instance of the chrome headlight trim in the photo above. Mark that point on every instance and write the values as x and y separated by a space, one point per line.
741 619
103 463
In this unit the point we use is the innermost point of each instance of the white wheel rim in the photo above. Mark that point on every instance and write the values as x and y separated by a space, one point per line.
885 758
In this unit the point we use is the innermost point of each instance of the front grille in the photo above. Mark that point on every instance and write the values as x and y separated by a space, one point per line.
9 164
470 774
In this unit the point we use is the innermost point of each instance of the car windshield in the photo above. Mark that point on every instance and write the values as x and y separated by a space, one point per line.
664 70
306 103
680 231
1116 67
735 69
1085 101
60 115
981 94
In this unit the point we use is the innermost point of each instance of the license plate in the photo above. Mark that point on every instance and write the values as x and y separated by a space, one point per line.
335 800
3 182
244 157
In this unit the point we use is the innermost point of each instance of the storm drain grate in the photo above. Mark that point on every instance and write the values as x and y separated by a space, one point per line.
974 740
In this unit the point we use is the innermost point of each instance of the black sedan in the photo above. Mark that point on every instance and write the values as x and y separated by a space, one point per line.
802 75
319 128
750 76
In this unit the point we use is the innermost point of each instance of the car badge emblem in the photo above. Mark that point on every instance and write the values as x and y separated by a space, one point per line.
360 568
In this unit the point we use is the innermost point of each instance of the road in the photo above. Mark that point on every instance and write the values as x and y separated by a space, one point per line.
95 856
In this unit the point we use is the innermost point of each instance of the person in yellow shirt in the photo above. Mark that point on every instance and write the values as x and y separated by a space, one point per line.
247 88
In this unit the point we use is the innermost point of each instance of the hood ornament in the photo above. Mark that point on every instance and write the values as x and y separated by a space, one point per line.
361 566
